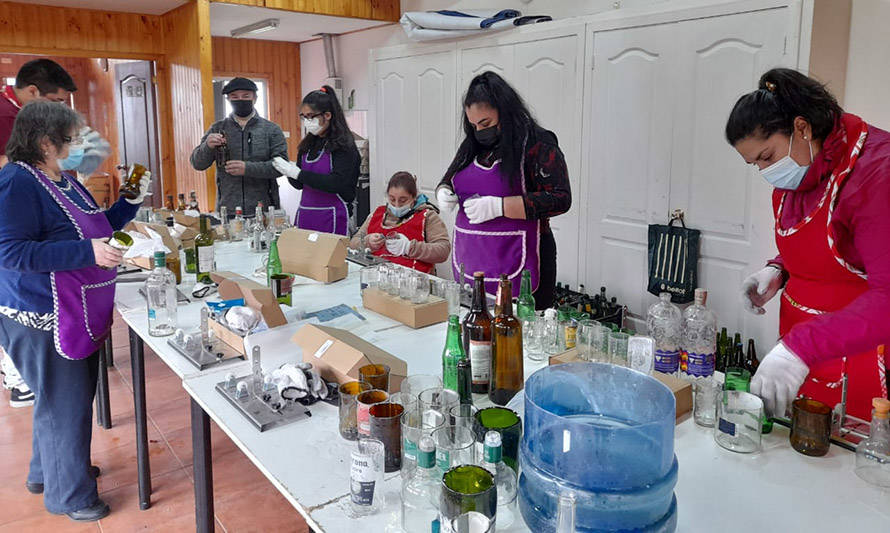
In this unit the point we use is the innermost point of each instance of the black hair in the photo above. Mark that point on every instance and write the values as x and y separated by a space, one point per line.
47 75
405 180
517 126
338 135
39 119
782 95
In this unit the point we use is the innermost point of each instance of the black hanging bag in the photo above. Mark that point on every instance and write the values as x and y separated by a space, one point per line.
673 259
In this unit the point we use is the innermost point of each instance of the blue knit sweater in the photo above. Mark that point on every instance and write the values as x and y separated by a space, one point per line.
36 238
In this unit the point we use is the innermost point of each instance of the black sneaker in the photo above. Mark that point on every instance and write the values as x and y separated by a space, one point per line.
21 396
97 511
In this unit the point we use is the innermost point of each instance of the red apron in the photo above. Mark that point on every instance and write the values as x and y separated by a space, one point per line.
414 228
820 281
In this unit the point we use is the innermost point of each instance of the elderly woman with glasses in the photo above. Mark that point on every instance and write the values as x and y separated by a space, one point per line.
57 274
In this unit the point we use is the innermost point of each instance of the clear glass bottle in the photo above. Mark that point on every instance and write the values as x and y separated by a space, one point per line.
525 304
873 453
204 252
420 494
160 296
504 478
236 226
452 354
665 323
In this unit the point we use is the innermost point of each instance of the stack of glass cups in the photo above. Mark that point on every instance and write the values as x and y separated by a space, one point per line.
605 434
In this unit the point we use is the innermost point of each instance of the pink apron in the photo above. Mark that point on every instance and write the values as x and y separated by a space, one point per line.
499 246
319 210
83 300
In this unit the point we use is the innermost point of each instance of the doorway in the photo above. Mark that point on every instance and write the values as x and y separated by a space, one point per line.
136 105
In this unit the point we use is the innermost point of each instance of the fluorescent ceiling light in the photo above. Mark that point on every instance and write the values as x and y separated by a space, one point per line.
256 27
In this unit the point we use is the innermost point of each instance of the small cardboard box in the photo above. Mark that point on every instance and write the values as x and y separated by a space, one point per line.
192 225
171 243
682 389
316 255
435 310
338 354
258 297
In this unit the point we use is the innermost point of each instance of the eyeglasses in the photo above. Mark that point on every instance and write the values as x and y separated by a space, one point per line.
311 116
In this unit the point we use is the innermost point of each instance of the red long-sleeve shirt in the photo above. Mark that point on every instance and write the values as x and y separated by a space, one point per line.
862 229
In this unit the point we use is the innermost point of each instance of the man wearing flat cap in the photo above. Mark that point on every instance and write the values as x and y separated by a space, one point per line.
247 176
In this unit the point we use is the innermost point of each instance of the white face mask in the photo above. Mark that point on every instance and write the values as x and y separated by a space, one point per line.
786 173
312 125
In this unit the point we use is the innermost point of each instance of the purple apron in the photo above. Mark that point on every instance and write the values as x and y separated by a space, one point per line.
319 210
500 246
83 299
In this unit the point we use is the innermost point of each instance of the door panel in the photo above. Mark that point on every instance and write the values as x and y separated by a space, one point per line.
629 152
137 122
548 77
475 61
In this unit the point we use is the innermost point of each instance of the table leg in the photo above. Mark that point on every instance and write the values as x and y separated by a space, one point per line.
203 470
103 404
109 351
137 361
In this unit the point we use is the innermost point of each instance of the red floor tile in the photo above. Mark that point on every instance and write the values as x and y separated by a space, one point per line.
262 509
48 522
172 498
119 467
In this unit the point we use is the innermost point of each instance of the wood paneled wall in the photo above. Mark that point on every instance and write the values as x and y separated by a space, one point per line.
275 61
186 32
95 88
388 10
39 29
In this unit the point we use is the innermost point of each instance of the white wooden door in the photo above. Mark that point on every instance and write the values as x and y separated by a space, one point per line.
475 61
630 109
548 76
720 59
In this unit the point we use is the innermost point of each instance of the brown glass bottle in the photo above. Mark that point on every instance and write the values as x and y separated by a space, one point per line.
507 375
751 362
130 188
477 336
193 201
222 152
169 203
181 206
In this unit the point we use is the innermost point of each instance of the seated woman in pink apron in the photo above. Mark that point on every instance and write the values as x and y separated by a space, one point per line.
57 276
831 176
507 180
407 230
327 165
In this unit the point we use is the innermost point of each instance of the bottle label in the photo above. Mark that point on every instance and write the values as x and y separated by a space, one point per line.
151 314
480 361
362 479
667 361
443 459
205 258
571 336
696 364
410 448
725 426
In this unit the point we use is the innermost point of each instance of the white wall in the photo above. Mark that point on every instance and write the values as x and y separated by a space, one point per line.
868 70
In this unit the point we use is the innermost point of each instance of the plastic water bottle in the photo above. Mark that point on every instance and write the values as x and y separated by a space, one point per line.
697 359
665 323
160 295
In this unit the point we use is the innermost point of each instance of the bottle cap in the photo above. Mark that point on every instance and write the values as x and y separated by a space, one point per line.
493 439
882 407
665 296
701 296
160 259
550 313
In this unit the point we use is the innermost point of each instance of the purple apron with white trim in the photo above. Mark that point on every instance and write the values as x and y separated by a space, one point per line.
319 210
83 299
499 246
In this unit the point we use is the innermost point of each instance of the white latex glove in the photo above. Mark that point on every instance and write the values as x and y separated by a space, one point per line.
95 151
778 378
317 384
287 168
446 198
144 183
292 382
759 288
399 246
483 209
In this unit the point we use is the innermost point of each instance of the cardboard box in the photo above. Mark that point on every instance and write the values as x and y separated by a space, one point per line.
682 389
338 354
192 225
257 297
435 310
316 255
171 243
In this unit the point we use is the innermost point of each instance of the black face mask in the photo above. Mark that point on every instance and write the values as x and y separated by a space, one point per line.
488 137
242 108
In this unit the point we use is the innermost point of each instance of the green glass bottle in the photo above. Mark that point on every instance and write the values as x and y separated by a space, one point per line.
525 305
191 260
204 252
452 354
468 488
273 265
465 381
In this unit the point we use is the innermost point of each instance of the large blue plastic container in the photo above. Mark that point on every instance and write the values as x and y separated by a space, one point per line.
606 434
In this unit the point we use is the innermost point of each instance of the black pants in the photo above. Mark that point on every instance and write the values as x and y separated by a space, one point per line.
547 283
63 414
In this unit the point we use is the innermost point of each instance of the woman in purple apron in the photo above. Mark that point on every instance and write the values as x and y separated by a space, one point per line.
327 165
507 179
56 299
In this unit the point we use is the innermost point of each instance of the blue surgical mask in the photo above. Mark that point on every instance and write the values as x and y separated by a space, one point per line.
399 212
74 159
786 173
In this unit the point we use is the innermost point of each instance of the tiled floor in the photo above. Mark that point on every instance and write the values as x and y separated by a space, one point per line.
243 499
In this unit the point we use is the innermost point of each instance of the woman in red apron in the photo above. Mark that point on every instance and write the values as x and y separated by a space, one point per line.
407 230
507 180
831 173
327 165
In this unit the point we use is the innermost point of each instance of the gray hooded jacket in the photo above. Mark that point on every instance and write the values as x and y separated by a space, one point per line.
257 144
